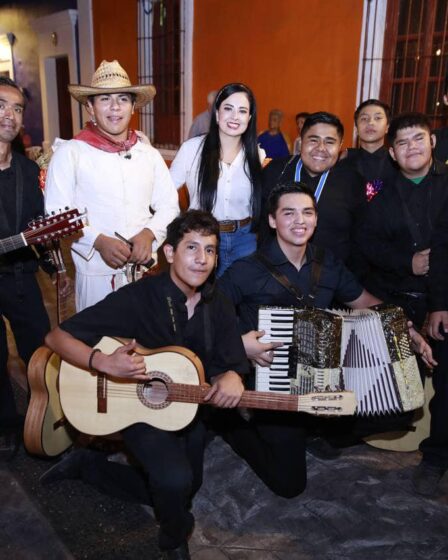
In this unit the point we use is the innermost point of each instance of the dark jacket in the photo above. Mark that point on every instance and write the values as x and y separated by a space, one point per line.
389 243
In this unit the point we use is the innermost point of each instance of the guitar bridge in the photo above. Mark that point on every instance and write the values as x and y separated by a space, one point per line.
101 393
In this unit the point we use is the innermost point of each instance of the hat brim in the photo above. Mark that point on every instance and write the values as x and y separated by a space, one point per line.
144 93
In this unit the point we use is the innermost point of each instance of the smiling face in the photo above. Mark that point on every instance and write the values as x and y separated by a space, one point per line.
372 124
192 261
412 150
295 219
112 113
320 148
11 113
233 115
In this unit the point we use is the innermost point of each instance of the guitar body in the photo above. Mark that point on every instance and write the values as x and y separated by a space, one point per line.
407 440
47 431
129 402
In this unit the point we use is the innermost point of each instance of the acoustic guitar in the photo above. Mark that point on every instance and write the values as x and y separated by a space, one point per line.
98 404
47 432
43 230
407 440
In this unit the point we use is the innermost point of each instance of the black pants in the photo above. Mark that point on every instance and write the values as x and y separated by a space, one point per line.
21 303
168 475
435 448
272 443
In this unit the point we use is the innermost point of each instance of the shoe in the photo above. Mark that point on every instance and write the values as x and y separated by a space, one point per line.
68 468
179 553
426 478
320 448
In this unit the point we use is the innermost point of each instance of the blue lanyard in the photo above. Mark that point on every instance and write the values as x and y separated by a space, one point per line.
320 185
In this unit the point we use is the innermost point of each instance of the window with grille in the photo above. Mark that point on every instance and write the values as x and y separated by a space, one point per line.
164 51
415 57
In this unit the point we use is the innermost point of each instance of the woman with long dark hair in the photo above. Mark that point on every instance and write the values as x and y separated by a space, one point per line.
222 171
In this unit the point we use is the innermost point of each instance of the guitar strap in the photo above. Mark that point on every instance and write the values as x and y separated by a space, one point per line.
316 270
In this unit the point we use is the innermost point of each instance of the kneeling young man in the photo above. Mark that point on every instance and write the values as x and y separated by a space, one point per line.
180 308
284 275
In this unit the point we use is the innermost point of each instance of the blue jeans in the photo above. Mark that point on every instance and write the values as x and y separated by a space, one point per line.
234 246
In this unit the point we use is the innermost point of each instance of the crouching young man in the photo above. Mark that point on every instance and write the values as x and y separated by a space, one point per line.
181 308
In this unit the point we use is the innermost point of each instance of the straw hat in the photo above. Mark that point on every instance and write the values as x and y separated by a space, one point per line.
110 77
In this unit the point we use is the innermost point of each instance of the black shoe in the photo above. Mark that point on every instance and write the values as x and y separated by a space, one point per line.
70 467
179 553
321 449
426 478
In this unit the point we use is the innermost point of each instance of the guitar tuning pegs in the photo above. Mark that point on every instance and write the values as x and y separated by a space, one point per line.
66 208
53 213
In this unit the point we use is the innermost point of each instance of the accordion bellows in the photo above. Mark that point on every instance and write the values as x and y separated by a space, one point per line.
365 351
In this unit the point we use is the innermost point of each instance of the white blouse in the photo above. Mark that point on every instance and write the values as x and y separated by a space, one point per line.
233 198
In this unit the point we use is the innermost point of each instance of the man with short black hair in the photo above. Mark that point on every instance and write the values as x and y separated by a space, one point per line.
182 308
21 200
337 187
400 230
371 159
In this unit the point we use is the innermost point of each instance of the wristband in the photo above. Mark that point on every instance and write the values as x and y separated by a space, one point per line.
90 366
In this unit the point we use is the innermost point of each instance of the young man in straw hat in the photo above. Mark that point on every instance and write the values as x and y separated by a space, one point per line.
124 184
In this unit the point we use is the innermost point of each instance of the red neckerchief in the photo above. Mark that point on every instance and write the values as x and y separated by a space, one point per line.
94 137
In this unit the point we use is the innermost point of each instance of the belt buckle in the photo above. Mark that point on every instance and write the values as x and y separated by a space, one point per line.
229 226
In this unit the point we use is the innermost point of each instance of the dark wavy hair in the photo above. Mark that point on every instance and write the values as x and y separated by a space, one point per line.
4 81
290 187
323 117
191 220
211 155
407 120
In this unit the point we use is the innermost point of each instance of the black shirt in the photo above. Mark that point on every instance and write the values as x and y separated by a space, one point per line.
32 206
377 168
339 206
153 311
249 284
388 242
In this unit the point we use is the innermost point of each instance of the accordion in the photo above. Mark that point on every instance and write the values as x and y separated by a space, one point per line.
364 351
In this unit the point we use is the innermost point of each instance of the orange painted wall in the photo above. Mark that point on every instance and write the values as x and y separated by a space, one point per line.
115 35
297 55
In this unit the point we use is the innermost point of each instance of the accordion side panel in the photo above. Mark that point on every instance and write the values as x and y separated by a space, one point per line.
404 363
409 383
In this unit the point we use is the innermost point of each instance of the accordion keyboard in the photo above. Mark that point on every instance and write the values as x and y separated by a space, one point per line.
278 326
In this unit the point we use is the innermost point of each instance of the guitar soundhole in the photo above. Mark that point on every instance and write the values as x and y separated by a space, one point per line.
154 392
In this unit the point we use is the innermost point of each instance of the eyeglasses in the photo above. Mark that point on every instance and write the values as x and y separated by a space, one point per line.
4 107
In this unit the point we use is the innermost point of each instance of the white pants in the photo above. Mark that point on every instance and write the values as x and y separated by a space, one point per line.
92 289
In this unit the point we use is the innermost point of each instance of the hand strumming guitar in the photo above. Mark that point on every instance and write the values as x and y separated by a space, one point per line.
123 363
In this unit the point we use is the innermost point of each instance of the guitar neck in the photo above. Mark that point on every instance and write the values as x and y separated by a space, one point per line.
62 301
12 243
179 392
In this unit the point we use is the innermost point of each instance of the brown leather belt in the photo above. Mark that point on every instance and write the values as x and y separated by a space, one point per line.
230 226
